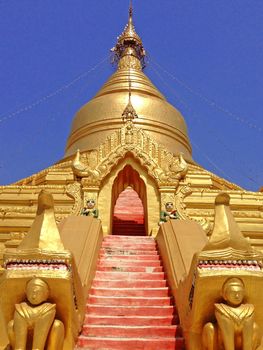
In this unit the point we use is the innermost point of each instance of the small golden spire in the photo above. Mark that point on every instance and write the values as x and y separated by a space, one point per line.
129 42
43 234
130 8
129 112
226 232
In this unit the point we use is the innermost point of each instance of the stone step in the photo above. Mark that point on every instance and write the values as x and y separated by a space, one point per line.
107 343
129 245
131 320
112 310
131 228
121 262
125 233
130 301
129 283
135 217
112 252
121 229
131 331
148 269
129 257
129 292
136 221
130 275
128 225
121 238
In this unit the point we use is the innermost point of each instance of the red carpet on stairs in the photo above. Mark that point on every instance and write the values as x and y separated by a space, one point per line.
129 306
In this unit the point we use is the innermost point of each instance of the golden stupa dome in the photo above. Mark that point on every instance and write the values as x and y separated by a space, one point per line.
102 115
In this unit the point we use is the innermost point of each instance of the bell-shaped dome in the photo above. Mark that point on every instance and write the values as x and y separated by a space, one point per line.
102 115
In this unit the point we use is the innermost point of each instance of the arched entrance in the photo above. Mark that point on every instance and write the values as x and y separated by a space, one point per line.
129 206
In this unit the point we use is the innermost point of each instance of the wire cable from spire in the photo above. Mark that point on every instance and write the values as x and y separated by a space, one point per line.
207 100
238 164
52 94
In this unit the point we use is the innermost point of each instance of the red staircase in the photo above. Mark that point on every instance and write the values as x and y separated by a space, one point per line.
128 227
129 306
128 216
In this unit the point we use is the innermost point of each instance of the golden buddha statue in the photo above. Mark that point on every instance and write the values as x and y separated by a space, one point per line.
34 321
235 328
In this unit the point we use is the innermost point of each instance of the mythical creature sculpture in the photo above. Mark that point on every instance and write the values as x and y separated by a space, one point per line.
235 328
89 209
82 169
174 171
168 213
34 321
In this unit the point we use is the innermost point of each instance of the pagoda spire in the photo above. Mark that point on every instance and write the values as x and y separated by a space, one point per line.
129 43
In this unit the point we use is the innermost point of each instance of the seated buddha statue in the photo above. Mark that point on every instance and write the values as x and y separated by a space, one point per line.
34 321
235 328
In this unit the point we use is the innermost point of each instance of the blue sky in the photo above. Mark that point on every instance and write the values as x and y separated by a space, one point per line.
204 55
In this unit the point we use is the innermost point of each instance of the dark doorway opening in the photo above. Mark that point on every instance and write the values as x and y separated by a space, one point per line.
129 203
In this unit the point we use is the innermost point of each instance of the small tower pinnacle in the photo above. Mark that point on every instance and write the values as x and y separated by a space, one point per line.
129 42
130 9
129 112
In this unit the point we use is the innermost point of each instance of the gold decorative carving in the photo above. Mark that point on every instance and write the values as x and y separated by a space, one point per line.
235 327
129 62
15 239
183 192
167 197
248 214
179 200
27 182
34 320
9 211
74 191
198 212
17 235
224 184
173 170
162 165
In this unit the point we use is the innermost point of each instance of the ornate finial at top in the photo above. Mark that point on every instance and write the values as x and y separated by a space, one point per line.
129 42
130 9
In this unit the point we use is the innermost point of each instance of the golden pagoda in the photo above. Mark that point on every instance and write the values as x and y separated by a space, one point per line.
130 139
